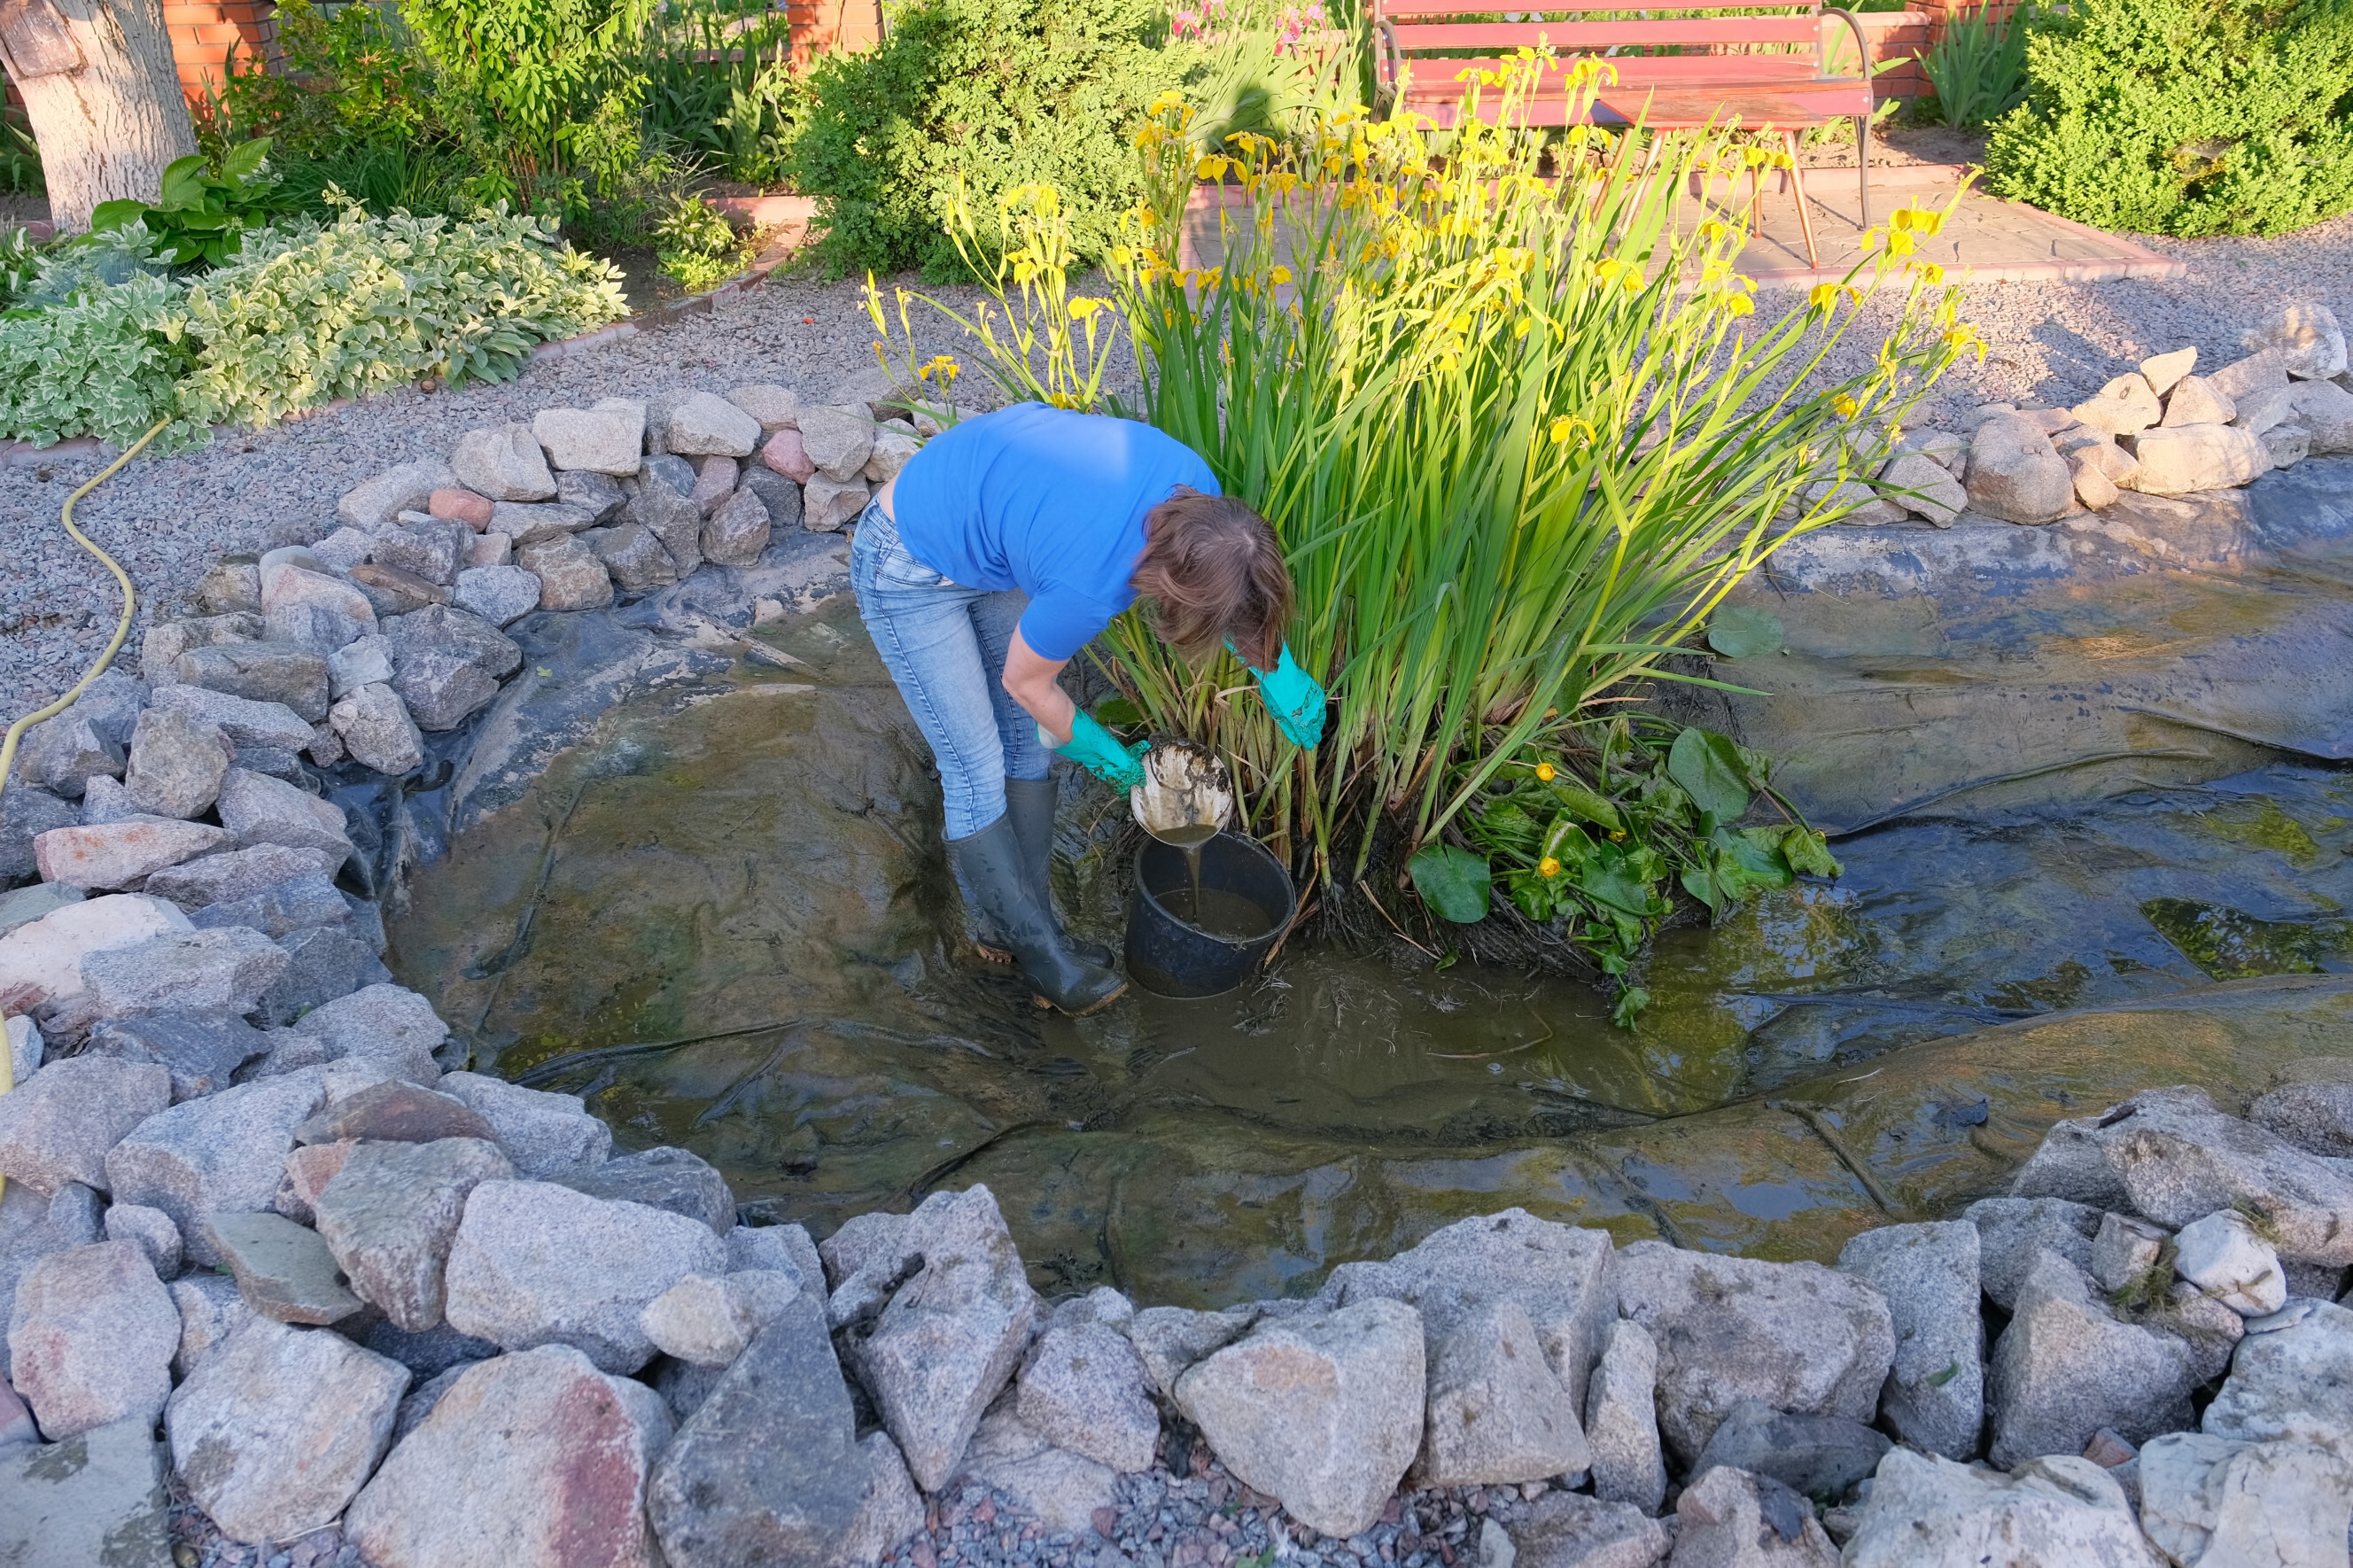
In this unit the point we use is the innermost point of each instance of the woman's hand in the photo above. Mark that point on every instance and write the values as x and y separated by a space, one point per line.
1293 699
1031 679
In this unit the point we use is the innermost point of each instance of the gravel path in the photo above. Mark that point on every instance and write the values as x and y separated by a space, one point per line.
169 518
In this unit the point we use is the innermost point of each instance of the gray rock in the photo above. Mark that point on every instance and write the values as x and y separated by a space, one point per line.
2224 1257
94 1499
2162 371
26 814
324 964
1814 1456
25 1046
708 1320
2305 335
390 1216
90 1339
1321 1411
2178 1159
504 463
1171 1340
2182 458
419 1401
2212 1501
277 911
593 493
2310 1105
388 1025
780 495
2288 445
1927 1513
671 1179
702 424
672 518
105 800
838 441
2327 410
33 1227
2010 1231
633 557
1731 1518
894 445
366 662
829 505
344 549
374 726
536 1461
547 1134
1496 1412
537 1264
2288 1382
1061 1490
892 1512
675 473
56 1126
2015 473
1622 1420
738 530
775 407
2124 407
601 441
1083 1388
500 595
258 809
283 1270
1563 1530
224 1153
233 583
1560 1274
176 763
1928 1275
238 873
2196 400
211 1309
429 548
951 1335
781 1248
684 1385
570 576
768 1470
274 1433
40 962
64 753
282 672
524 525
1797 1336
374 503
396 1112
307 606
431 1353
2125 1249
117 854
222 970
2066 1366
447 663
150 1230
714 480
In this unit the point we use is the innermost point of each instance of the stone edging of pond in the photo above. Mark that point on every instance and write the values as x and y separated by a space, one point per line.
255 1195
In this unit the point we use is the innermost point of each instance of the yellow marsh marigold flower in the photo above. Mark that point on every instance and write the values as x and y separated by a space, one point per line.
1546 772
1822 296
1846 406
1547 866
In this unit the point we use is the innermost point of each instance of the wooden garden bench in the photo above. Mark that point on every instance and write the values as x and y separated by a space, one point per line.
1676 70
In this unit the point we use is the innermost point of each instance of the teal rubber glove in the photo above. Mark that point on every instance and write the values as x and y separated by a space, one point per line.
1291 695
1099 751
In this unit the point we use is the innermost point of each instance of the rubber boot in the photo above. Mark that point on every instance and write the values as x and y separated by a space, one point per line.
1030 804
990 863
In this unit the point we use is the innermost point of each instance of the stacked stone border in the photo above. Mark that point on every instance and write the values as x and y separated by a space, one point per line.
405 1314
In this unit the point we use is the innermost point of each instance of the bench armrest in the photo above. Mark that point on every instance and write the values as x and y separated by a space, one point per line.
1862 46
1388 64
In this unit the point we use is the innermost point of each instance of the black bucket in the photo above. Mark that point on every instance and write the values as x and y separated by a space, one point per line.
1171 958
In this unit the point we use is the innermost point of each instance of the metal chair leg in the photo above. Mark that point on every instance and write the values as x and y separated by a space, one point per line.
1798 187
1862 159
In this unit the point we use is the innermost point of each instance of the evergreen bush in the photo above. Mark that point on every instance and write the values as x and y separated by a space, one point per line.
2184 117
997 93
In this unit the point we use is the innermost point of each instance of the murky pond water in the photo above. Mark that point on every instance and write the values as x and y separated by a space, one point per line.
729 924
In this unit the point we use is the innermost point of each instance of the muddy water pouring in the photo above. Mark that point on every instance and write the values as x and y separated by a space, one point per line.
1209 904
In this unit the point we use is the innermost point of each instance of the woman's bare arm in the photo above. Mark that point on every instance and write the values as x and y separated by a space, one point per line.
1029 676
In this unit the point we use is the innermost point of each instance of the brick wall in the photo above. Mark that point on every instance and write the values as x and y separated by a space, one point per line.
203 30
1899 35
832 26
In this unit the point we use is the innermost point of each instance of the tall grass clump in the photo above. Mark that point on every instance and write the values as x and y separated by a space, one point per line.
1517 421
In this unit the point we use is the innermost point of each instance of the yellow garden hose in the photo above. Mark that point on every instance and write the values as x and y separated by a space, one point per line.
122 632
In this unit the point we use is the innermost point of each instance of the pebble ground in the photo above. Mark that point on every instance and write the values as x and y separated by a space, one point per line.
168 519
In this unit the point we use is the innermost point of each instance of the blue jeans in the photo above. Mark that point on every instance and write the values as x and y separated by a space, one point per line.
945 647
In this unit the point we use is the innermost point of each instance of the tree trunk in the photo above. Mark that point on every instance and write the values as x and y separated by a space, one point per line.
107 128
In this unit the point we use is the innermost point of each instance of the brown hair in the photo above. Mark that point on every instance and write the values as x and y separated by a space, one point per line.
1215 573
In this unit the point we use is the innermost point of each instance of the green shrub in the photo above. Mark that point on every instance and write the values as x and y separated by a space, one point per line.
103 363
307 314
996 93
2184 117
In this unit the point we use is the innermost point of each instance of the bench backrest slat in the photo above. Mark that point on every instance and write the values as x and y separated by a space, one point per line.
1398 10
1440 78
1584 38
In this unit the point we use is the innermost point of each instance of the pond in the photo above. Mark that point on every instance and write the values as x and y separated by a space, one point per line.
725 918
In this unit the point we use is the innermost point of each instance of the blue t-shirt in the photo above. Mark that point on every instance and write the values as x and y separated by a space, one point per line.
1045 500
